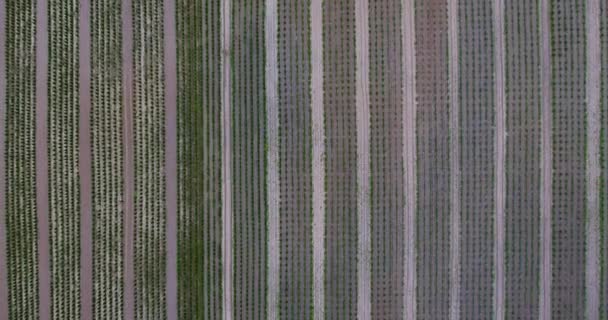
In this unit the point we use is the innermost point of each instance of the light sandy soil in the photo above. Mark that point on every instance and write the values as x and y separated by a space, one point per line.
318 160
593 160
273 188
226 165
409 157
546 194
363 160
500 135
454 161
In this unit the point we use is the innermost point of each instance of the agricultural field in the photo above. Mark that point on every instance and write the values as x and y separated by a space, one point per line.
433 155
477 123
341 159
569 140
200 162
604 161
523 160
386 160
295 160
248 159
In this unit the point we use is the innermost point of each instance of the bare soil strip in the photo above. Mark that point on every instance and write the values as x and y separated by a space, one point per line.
454 160
42 174
363 159
499 222
409 156
128 160
85 164
3 264
318 160
593 160
170 65
546 194
226 164
272 114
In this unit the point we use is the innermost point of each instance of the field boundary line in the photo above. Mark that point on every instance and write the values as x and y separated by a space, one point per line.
318 159
273 188
500 135
592 273
546 194
3 256
363 160
226 163
85 162
42 160
128 160
170 65
454 159
408 57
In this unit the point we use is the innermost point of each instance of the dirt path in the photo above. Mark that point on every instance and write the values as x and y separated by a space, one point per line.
226 165
273 188
128 161
363 159
546 194
85 165
409 157
454 160
318 160
593 160
42 168
170 64
3 256
499 223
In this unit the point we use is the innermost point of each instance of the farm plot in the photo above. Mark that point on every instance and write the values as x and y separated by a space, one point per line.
523 159
107 155
386 144
249 159
341 159
604 162
199 160
433 155
148 106
64 195
569 140
477 123
21 218
295 169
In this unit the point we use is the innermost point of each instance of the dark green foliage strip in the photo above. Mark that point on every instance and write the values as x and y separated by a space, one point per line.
64 197
107 153
249 159
523 159
149 134
341 159
569 159
477 124
295 153
21 221
386 160
433 156
199 160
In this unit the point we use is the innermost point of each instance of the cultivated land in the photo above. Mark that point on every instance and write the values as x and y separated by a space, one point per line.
149 155
604 162
386 156
199 160
20 207
249 159
341 159
523 160
107 154
295 158
63 160
569 136
433 155
477 124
